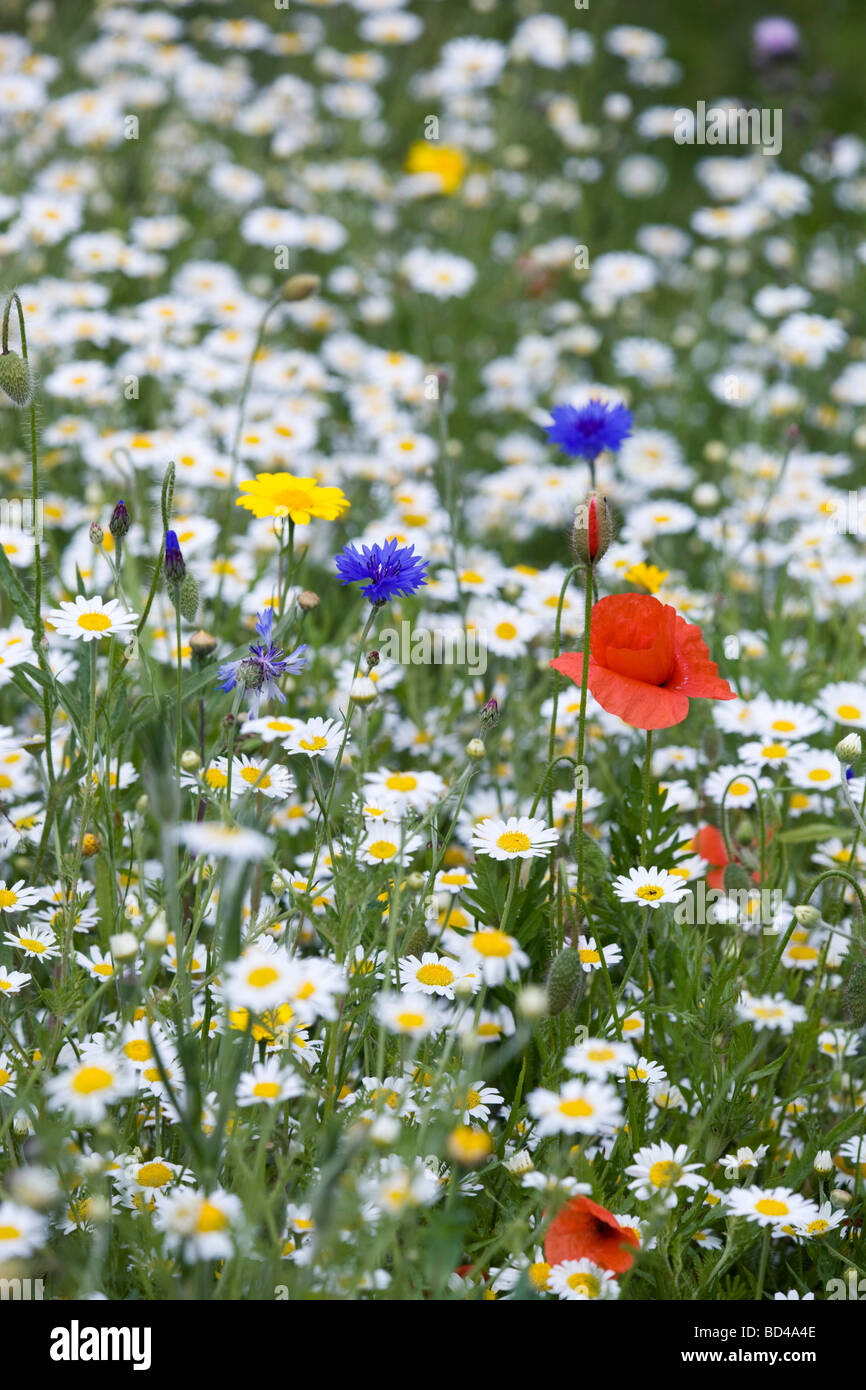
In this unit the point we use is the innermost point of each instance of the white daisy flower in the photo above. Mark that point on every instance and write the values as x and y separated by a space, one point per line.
88 619
519 837
659 1170
649 887
582 1280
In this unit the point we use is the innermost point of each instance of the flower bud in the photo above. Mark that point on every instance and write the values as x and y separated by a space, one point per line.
15 379
807 915
592 529
363 691
848 749
823 1161
173 564
156 935
418 942
119 523
307 600
489 714
564 981
188 602
855 995
840 1198
519 1163
190 760
301 287
123 945
90 845
203 644
97 535
532 1003
475 749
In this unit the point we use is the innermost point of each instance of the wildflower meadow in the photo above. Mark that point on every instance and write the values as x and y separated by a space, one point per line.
432 667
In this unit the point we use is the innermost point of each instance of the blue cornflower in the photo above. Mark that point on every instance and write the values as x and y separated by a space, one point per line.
259 671
585 430
390 569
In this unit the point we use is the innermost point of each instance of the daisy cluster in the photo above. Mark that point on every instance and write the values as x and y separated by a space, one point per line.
432 670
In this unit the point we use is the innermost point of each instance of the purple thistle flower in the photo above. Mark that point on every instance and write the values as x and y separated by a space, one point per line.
389 570
260 671
588 429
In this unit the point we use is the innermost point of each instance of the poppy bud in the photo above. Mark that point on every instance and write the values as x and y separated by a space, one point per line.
592 529
564 981
188 598
15 379
418 942
855 995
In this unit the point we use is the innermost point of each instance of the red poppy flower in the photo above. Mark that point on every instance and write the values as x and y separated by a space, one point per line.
645 662
584 1230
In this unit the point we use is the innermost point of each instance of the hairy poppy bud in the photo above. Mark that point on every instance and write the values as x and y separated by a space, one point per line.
855 995
15 378
592 529
564 980
188 598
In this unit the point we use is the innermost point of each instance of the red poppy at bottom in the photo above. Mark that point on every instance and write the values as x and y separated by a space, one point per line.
645 662
584 1230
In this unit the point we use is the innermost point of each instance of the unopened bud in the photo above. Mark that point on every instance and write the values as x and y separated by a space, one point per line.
475 749
564 980
188 601
203 644
592 529
532 1003
307 600
97 535
190 760
840 1198
489 713
848 749
855 995
173 564
363 691
119 523
823 1161
90 845
156 935
807 915
301 287
123 945
372 660
15 379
